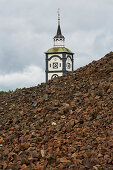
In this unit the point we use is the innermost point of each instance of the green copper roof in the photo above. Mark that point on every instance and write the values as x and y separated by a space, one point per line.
58 50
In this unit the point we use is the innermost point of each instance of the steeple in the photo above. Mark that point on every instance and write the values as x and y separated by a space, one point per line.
59 60
59 38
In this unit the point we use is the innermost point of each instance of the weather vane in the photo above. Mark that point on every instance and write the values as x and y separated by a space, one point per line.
58 16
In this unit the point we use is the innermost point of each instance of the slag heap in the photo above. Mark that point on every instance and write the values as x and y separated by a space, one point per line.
64 124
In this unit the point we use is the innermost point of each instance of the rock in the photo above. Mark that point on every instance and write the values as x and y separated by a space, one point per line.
63 116
99 117
70 112
77 94
1 110
111 133
100 155
41 120
24 166
24 146
33 135
63 124
1 140
96 167
64 160
35 104
45 97
66 105
43 153
54 124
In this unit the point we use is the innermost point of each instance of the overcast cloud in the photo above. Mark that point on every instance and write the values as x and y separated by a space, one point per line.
27 28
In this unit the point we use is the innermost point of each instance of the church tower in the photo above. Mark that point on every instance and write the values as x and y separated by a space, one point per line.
59 59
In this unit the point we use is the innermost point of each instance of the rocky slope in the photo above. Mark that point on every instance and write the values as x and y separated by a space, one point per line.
64 124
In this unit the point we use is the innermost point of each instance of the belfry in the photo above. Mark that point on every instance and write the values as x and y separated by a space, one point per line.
59 59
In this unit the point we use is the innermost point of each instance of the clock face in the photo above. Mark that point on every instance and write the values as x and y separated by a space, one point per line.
55 65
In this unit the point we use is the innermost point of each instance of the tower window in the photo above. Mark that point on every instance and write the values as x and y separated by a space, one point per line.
55 65
54 75
50 65
60 65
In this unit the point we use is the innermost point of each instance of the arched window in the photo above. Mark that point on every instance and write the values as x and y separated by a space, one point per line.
53 76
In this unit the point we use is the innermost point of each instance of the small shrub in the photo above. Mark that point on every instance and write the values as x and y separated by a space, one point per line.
10 91
2 92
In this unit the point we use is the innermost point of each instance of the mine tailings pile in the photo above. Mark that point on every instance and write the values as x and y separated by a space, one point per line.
66 123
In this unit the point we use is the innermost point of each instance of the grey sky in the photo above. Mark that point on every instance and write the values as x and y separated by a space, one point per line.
27 28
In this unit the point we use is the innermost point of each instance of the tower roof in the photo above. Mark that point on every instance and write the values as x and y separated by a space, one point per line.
59 33
59 50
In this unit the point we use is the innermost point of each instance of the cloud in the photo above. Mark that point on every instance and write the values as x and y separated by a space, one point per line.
27 28
31 76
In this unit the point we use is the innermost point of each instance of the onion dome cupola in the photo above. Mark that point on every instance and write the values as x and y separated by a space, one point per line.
59 59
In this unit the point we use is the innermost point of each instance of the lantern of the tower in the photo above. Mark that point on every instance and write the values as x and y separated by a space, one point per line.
59 59
59 39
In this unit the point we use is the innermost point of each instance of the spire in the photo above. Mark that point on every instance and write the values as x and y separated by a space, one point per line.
59 36
59 29
59 33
